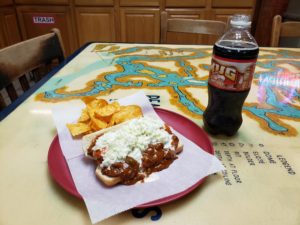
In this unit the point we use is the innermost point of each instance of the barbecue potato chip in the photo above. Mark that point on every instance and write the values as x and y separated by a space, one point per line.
105 113
77 129
90 111
96 103
126 113
97 124
84 117
93 101
100 114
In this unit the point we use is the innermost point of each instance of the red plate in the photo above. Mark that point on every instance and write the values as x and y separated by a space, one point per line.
60 172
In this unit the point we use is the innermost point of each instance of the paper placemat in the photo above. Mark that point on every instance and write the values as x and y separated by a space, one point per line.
192 164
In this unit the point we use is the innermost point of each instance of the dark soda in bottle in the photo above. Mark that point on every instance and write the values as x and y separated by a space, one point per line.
232 68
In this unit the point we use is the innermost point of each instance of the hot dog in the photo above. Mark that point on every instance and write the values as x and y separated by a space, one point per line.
129 152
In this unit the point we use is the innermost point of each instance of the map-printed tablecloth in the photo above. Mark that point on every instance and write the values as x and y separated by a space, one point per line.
261 184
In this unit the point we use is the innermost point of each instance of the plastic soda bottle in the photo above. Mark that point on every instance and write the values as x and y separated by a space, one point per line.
232 68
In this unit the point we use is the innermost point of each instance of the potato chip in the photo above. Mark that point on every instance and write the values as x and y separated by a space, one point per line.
116 105
84 117
77 129
90 111
126 113
97 124
97 103
100 114
107 111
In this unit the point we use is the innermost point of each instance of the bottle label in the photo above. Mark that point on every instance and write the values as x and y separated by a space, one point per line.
231 74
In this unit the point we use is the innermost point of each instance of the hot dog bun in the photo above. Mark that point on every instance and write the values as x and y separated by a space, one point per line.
108 181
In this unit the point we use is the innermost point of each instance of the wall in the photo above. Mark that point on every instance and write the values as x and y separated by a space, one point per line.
82 21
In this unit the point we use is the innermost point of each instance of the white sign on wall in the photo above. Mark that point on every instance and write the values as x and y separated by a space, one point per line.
43 19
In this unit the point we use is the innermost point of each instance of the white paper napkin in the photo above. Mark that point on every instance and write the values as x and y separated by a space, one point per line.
102 202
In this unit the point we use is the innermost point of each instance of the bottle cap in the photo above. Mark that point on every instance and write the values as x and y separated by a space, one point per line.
240 21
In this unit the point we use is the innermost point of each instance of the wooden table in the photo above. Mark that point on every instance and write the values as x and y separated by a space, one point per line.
260 186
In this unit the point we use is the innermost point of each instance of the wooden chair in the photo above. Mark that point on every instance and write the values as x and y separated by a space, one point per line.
194 26
25 63
283 29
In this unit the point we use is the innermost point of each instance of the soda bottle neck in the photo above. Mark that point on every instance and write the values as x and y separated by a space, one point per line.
237 36
246 28
240 21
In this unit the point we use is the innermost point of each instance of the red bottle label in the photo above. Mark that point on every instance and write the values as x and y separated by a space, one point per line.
231 74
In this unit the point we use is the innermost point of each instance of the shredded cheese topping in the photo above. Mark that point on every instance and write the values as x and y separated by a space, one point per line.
131 140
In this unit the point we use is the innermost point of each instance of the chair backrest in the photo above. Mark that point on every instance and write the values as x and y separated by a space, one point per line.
23 64
283 29
194 26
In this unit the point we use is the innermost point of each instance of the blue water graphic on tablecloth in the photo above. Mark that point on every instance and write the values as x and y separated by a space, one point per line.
161 78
